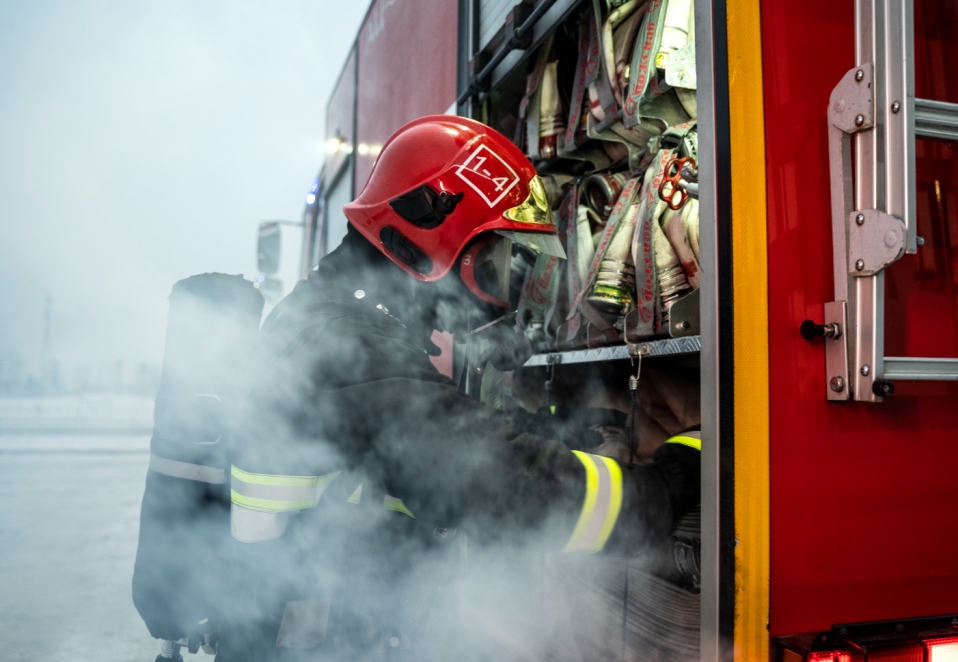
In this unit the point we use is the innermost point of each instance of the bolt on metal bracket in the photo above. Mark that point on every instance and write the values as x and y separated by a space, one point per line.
851 106
836 353
875 240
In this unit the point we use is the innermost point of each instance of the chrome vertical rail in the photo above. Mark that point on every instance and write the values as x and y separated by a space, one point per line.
711 72
899 127
867 293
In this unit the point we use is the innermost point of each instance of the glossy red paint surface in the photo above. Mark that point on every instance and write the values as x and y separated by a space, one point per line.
864 497
339 117
407 69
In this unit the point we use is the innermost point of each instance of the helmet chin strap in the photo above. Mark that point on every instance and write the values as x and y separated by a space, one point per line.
479 329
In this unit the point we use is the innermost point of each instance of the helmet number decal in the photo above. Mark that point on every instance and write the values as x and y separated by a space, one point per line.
488 174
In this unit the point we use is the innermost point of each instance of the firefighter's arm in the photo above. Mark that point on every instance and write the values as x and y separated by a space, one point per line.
630 508
454 461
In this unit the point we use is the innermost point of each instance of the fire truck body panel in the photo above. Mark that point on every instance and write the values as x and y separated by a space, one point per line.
862 518
407 69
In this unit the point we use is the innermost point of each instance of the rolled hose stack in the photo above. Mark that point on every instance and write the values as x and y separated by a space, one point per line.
185 514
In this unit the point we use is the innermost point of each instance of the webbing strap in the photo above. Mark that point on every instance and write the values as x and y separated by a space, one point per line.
691 439
603 501
187 471
277 493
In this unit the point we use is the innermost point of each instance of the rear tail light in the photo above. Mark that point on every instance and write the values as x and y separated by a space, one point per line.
933 639
943 650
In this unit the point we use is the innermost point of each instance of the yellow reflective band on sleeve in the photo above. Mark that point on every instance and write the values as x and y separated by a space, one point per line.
277 493
600 509
392 503
690 439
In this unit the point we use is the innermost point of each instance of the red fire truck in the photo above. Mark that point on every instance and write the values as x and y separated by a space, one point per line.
822 326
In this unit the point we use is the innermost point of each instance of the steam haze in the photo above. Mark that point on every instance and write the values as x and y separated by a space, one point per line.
141 143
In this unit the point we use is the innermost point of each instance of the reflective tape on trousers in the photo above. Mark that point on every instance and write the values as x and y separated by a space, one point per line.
389 502
600 509
187 471
357 495
691 439
396 504
277 493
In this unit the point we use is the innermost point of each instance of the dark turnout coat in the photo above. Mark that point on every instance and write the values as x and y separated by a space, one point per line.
355 462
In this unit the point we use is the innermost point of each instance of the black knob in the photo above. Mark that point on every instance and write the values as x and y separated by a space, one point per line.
883 388
810 330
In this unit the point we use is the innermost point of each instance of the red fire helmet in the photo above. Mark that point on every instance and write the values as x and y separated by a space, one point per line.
440 182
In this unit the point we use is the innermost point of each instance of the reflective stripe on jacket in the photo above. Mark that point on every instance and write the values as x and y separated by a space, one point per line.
603 496
277 493
692 439
263 503
603 500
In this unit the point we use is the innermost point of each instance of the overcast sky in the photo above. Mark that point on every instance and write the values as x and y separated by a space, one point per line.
142 142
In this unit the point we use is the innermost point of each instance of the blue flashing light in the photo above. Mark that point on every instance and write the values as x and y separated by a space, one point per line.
311 198
261 278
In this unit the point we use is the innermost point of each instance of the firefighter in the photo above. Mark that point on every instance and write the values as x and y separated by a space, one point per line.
354 452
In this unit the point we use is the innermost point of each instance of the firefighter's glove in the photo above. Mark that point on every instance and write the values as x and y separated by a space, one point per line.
504 348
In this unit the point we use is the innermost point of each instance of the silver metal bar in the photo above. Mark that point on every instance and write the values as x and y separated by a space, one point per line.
920 369
936 119
868 350
711 641
899 127
869 178
836 353
851 110
866 295
652 348
556 14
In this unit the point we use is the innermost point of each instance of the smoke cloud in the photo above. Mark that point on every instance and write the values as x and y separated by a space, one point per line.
141 143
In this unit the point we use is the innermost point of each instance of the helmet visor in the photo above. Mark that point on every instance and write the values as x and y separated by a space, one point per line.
537 242
535 210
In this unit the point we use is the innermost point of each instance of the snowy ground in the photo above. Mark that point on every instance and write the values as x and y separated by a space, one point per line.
69 510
